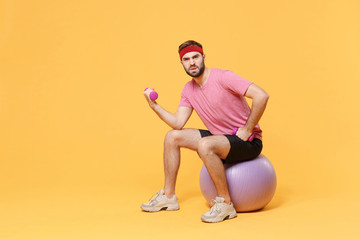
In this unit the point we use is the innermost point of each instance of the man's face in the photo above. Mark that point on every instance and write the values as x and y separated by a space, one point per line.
193 63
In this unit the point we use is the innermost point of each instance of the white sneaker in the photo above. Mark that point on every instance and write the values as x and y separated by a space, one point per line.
219 211
161 202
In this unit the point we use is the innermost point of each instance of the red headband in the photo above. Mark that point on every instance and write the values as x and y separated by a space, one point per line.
190 49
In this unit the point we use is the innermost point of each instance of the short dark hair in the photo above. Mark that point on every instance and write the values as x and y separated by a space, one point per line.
189 43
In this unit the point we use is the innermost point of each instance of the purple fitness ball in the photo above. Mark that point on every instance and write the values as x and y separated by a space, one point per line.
251 184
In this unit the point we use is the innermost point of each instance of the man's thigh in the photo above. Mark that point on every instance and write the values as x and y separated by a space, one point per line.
239 150
187 137
216 143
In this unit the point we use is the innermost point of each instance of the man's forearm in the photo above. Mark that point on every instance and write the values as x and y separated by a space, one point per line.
169 118
257 109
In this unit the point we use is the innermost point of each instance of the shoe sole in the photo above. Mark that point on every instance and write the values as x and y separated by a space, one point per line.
215 220
157 209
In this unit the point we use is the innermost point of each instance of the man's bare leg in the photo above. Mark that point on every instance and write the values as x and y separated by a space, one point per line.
174 140
211 150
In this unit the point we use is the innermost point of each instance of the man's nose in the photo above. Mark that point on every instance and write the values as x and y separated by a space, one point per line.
192 61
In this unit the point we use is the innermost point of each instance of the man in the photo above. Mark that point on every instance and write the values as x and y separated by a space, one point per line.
218 97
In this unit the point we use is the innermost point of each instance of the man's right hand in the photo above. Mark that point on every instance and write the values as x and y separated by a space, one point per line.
151 103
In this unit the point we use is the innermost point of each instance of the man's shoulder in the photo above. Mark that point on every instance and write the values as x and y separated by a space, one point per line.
220 71
189 83
221 74
188 86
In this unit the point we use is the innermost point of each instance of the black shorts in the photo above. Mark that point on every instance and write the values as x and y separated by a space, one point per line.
240 150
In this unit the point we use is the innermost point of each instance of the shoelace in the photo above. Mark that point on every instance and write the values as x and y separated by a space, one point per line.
152 197
214 206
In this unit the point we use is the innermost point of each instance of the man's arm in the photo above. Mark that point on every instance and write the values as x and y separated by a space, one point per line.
259 100
176 120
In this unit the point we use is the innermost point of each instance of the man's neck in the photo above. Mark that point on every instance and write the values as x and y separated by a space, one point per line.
201 80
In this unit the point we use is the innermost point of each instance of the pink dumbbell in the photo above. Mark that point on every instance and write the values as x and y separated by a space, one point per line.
250 138
151 93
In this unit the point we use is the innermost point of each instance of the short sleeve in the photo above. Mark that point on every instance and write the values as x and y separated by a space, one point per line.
235 83
184 101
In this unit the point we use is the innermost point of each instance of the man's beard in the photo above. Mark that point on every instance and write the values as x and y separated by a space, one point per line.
201 70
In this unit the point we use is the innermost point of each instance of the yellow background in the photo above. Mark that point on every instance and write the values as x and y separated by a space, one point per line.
80 150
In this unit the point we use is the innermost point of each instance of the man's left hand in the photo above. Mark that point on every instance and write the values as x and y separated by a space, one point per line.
244 134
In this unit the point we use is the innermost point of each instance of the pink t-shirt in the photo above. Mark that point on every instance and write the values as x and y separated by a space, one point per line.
220 103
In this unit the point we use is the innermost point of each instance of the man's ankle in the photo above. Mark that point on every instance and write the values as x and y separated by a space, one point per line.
227 199
169 194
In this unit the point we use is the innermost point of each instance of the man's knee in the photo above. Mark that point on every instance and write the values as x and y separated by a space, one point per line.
173 137
205 147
